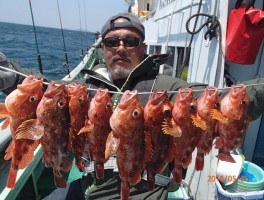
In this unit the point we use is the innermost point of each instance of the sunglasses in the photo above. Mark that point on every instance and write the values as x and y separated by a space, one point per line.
115 41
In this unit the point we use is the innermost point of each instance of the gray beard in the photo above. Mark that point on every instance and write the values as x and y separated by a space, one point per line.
122 73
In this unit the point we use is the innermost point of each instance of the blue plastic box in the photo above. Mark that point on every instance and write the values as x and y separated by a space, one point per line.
225 195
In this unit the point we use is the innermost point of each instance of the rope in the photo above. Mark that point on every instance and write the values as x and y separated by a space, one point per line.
140 93
36 40
65 52
212 23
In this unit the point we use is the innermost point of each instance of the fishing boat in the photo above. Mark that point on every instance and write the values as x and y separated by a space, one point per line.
193 33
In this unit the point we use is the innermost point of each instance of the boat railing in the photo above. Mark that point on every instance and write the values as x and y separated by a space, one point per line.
147 16
87 62
35 168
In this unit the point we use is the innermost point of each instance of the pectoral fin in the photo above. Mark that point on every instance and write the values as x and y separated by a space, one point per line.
3 111
218 116
169 127
29 129
198 122
112 145
87 128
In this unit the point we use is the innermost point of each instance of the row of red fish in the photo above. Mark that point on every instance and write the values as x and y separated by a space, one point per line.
141 137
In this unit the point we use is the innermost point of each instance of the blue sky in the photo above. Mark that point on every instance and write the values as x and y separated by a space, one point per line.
46 14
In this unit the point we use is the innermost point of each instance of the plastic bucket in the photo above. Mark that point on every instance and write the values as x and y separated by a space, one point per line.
251 178
227 172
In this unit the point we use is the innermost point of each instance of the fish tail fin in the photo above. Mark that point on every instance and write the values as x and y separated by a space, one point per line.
99 170
136 178
177 174
125 190
9 150
199 162
151 181
59 179
11 181
67 164
187 159
226 157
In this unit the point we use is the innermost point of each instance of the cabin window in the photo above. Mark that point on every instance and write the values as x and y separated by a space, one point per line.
182 71
154 49
168 65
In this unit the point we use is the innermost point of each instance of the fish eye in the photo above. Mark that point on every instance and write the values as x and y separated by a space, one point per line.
167 113
192 106
108 105
80 100
135 113
217 104
61 103
243 102
32 99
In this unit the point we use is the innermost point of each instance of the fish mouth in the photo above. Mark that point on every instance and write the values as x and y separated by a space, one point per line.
158 97
127 98
238 90
30 86
211 90
53 89
101 93
185 94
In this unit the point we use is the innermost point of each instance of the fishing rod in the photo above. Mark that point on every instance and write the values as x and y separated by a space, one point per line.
62 33
36 40
80 27
86 32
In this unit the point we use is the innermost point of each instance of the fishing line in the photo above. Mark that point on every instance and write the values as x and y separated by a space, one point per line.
143 93
65 52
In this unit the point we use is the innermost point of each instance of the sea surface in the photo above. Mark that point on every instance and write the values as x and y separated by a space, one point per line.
18 43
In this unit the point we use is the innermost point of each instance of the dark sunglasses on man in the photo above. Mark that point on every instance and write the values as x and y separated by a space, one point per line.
127 41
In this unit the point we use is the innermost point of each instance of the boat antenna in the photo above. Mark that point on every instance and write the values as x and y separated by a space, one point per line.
65 52
80 27
36 40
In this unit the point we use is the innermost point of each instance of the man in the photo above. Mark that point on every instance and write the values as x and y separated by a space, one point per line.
7 78
128 68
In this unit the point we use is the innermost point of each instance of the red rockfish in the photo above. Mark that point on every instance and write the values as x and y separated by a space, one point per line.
233 121
78 106
185 133
52 128
20 105
158 109
97 128
208 101
129 141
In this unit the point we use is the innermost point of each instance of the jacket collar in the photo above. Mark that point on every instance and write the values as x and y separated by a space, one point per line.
148 66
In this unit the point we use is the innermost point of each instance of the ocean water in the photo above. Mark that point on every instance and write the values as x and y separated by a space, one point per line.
17 42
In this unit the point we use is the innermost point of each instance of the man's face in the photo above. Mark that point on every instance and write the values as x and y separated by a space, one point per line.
121 60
